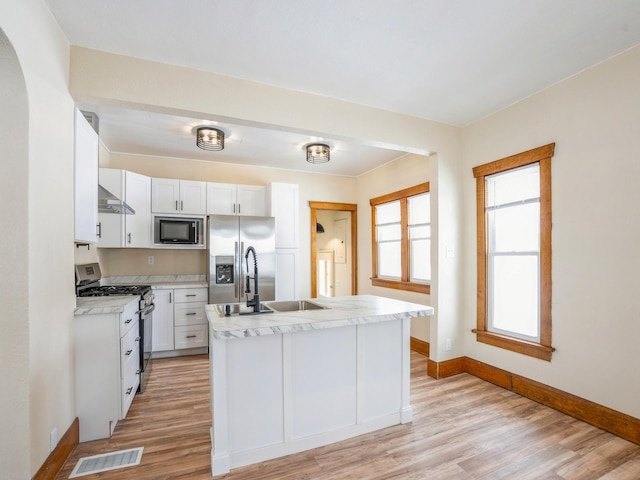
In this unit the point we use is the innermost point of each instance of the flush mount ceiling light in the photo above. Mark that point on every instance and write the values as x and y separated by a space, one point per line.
318 153
209 138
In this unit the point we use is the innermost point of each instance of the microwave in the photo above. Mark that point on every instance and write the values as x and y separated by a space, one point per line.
178 231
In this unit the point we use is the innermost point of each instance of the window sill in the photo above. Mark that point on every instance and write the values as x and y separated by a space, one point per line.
536 350
398 285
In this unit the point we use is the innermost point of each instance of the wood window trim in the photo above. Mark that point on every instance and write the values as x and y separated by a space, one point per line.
403 283
542 350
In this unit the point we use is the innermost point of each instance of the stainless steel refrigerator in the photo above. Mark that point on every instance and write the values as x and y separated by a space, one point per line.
229 238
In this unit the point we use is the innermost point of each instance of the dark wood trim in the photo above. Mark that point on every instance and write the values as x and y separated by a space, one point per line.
419 346
407 192
445 369
514 161
514 344
56 459
612 421
398 285
343 207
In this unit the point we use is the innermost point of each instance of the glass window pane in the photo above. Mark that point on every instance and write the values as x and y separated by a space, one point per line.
420 261
514 295
420 232
515 229
419 206
513 185
388 212
389 260
389 232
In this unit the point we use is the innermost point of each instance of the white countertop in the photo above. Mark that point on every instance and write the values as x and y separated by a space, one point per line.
159 281
97 305
341 311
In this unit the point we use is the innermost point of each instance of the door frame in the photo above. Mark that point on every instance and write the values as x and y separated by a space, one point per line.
342 207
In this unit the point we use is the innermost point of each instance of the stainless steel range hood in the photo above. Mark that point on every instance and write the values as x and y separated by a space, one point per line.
109 203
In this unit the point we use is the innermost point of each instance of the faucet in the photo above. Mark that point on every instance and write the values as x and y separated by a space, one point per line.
255 303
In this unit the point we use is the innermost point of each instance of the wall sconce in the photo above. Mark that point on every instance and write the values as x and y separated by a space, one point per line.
318 153
209 138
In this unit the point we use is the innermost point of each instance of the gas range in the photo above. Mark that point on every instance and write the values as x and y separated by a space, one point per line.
88 278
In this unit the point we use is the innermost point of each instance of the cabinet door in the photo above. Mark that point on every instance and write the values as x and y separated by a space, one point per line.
284 207
165 195
193 197
221 198
287 274
86 180
111 228
162 333
252 200
138 196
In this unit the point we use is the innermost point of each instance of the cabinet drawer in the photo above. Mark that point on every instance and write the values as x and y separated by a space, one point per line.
129 317
189 314
183 295
191 336
130 384
130 351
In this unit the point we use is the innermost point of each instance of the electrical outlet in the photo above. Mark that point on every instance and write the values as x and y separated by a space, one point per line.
447 344
53 439
150 259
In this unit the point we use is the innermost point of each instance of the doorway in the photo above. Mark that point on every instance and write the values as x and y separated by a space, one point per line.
337 236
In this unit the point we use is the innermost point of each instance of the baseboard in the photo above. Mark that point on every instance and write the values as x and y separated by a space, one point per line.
55 461
612 421
419 346
445 369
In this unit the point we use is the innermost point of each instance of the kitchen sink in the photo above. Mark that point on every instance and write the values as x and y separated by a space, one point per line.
229 309
294 305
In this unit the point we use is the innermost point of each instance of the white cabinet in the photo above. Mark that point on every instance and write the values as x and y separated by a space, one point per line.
232 199
162 332
178 196
284 207
191 328
107 353
85 180
179 320
120 230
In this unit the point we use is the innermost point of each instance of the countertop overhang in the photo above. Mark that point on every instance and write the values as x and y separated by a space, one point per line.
339 312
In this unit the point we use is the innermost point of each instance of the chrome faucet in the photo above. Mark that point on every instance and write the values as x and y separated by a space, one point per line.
255 303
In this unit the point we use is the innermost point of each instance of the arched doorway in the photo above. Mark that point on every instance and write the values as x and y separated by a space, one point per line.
344 256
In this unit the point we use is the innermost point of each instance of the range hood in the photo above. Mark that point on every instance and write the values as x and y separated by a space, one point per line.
109 203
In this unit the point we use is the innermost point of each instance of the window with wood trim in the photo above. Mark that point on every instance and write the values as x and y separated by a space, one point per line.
401 239
513 201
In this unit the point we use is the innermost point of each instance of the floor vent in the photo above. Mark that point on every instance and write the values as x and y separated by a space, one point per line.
107 461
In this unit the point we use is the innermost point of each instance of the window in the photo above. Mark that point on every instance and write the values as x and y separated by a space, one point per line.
514 252
401 239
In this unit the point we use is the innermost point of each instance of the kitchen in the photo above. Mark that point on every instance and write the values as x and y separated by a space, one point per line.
587 116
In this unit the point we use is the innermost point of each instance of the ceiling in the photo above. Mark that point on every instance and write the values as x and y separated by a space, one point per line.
450 61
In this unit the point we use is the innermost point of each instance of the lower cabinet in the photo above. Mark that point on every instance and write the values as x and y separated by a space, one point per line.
107 369
179 320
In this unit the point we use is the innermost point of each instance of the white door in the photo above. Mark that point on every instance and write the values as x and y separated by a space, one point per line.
325 273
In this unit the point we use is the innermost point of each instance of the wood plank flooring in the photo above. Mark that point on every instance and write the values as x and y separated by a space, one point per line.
463 428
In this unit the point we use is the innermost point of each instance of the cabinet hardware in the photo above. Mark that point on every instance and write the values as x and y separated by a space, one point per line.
128 320
128 352
129 390
234 208
138 372
137 339
190 295
191 336
181 205
99 234
238 209
177 206
190 313
129 237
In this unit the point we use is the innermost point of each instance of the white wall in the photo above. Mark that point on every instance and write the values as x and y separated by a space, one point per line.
593 118
38 176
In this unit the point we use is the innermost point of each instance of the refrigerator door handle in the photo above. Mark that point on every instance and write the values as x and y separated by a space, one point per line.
242 272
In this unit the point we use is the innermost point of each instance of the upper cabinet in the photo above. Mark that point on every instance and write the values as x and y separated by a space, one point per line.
284 207
231 199
86 180
178 196
118 230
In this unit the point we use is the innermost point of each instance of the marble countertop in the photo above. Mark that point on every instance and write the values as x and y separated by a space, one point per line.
159 281
341 311
97 305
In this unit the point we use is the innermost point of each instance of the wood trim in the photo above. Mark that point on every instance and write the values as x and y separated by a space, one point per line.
56 459
445 369
612 421
514 344
343 207
398 285
545 252
481 226
419 346
407 192
515 161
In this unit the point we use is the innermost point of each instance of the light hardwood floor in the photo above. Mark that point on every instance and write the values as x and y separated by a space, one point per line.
463 428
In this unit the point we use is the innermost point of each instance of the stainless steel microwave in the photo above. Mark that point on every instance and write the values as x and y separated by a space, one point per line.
178 230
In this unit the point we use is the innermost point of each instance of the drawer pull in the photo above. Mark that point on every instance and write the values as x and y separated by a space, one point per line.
137 339
190 313
128 352
191 336
191 295
129 390
138 372
129 320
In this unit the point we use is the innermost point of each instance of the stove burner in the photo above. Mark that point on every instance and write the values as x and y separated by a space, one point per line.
107 290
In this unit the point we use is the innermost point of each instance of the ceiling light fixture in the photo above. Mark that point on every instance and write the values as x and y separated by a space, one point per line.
318 153
209 138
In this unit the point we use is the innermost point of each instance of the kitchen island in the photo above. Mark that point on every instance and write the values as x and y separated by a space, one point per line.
284 382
